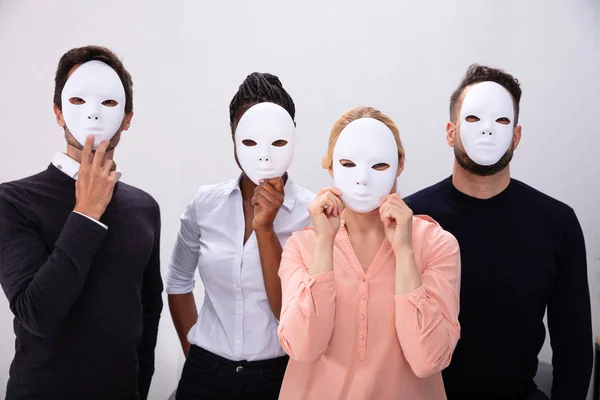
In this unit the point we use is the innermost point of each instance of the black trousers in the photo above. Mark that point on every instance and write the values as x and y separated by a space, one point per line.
207 376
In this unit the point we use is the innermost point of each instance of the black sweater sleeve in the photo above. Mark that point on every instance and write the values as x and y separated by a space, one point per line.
152 304
42 284
569 317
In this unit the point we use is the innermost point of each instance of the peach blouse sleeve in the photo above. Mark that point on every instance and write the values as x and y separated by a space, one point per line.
428 347
308 301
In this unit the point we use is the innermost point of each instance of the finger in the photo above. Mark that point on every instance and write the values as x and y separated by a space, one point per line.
326 204
113 177
386 216
86 154
340 205
108 166
397 200
329 207
254 199
391 199
261 202
99 156
337 205
270 197
277 183
333 190
269 188
397 213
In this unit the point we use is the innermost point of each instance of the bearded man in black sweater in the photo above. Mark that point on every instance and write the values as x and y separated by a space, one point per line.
79 251
522 253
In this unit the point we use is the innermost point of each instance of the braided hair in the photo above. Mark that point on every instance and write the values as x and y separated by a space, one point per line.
257 88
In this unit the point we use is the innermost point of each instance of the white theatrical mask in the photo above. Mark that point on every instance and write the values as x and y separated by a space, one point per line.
93 102
488 137
265 139
368 145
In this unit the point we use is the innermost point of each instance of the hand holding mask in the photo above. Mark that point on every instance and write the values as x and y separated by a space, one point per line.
267 200
397 222
325 212
96 180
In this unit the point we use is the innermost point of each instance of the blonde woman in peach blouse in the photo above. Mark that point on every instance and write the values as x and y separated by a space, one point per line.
370 292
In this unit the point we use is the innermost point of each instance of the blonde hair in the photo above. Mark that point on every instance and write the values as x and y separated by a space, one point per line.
353 115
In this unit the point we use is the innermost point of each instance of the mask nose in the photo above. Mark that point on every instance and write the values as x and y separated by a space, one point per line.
265 156
93 113
361 177
487 128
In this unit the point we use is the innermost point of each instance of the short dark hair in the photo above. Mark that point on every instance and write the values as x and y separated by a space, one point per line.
84 54
257 88
480 73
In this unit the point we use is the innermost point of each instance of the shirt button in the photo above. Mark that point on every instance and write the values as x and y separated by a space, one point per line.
364 279
364 297
239 310
237 284
239 369
362 337
362 317
414 295
238 342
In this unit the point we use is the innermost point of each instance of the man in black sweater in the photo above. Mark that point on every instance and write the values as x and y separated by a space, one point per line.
79 251
522 252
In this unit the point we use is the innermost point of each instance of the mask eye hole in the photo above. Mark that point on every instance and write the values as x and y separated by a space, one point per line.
279 143
249 142
110 103
472 118
380 166
347 164
503 121
77 101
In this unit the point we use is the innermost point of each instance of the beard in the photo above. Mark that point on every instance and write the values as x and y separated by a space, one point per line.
71 141
463 159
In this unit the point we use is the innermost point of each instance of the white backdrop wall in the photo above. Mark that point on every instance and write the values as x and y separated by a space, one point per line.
188 57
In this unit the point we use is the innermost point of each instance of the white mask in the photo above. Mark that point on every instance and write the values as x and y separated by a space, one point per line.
365 142
264 139
96 84
487 139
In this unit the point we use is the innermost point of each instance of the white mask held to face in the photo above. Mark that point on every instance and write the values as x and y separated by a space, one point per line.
93 102
264 140
486 122
363 150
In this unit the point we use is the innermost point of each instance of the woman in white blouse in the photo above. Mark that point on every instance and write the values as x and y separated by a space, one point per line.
233 232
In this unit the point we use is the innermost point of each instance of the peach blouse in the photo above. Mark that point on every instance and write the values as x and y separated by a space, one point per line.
349 336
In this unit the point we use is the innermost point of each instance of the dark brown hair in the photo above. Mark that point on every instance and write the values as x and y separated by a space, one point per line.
82 55
480 73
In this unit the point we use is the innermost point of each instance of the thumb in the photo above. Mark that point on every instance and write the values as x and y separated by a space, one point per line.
277 184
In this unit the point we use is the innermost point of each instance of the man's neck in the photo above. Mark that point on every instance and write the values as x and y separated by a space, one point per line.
75 153
480 187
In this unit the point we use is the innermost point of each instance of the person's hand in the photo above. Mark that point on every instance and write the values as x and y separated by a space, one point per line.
325 212
96 180
397 220
267 200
